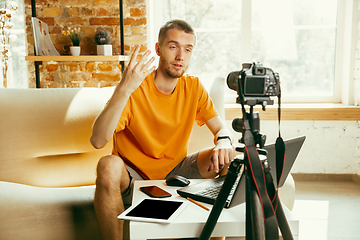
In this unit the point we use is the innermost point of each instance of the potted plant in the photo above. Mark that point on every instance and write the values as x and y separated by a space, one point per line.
103 41
75 36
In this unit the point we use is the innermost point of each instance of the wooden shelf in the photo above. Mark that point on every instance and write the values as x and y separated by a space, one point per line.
89 58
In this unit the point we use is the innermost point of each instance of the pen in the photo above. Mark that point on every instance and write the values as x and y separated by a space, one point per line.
197 203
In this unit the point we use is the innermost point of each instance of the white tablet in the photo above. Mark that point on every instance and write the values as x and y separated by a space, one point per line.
154 210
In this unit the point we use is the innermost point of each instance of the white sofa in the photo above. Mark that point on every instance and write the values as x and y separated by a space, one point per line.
47 164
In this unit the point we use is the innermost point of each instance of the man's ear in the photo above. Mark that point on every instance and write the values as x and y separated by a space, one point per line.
157 49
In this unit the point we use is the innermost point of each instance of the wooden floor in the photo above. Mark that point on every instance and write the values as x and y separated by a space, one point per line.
327 210
343 203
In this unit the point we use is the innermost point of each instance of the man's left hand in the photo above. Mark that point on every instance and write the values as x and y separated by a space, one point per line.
222 155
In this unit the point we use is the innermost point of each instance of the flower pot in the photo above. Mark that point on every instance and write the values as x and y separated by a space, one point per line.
75 50
104 50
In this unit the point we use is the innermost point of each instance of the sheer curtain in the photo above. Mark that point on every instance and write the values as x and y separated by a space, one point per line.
17 74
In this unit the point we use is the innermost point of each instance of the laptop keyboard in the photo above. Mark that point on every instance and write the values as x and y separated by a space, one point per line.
213 191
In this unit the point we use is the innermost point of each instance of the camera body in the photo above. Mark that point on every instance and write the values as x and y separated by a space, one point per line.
255 83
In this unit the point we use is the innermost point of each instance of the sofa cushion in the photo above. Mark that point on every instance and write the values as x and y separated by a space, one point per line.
45 135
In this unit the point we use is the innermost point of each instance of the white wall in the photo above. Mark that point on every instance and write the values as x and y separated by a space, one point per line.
331 147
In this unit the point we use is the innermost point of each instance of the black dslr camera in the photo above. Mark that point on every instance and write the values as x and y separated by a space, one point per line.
255 84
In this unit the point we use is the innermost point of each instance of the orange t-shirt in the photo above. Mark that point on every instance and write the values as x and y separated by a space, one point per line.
153 131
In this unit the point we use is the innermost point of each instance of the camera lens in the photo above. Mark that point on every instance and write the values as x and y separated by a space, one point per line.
237 124
232 80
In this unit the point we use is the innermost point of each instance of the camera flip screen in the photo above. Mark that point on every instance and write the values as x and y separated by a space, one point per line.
254 86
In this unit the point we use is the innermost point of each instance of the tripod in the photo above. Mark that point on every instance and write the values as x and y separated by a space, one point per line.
263 215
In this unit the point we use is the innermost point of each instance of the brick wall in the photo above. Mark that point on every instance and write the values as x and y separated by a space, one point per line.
88 15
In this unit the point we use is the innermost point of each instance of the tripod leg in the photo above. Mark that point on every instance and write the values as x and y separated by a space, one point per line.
283 223
220 201
256 220
217 208
249 229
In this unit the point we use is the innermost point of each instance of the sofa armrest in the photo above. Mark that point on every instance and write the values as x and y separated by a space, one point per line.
47 213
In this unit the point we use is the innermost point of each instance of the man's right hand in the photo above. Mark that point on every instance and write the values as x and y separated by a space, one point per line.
136 72
105 124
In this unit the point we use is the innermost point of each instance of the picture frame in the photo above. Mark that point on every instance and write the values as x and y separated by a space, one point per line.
43 44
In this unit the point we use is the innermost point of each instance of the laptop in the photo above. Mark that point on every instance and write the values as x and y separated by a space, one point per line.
207 191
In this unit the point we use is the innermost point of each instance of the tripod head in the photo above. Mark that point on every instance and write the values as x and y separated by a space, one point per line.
254 120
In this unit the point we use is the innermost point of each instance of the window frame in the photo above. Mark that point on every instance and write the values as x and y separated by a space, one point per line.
346 39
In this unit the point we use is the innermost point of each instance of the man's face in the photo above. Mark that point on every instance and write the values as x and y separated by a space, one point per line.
175 52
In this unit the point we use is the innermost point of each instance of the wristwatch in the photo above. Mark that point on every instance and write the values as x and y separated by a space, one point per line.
223 137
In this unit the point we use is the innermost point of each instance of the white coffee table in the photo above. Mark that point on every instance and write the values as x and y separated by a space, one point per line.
190 222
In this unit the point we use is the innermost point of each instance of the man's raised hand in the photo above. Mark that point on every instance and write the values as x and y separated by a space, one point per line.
136 72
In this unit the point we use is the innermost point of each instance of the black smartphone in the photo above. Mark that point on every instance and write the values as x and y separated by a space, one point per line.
155 191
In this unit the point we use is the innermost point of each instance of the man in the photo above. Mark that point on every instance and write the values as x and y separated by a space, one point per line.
150 117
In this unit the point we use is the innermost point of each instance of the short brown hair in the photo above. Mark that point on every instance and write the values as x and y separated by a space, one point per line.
174 24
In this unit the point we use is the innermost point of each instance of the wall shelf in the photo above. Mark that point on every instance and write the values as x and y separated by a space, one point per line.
91 58
85 58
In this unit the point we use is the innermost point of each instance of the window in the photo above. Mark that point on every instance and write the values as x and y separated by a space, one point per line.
17 71
296 38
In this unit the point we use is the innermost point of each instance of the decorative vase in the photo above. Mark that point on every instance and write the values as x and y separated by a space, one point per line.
75 50
104 50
